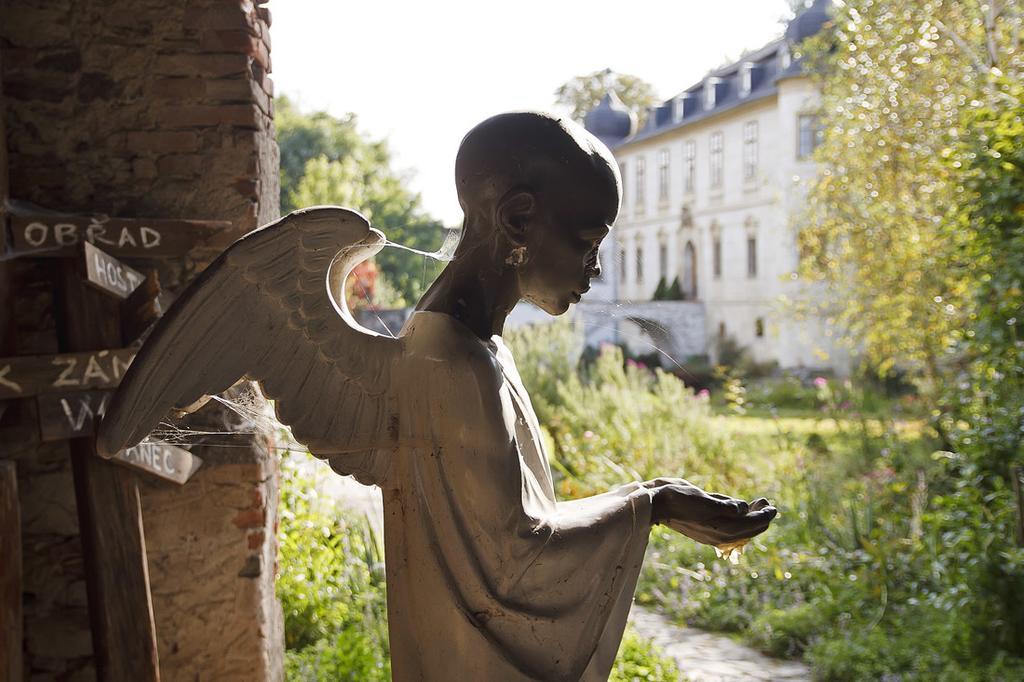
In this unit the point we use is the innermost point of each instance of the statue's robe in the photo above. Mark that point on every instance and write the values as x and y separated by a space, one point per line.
489 578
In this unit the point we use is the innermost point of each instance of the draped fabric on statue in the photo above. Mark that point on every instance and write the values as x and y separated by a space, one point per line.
490 571
489 578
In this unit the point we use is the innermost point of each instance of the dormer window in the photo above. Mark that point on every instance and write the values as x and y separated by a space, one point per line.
785 59
710 91
746 79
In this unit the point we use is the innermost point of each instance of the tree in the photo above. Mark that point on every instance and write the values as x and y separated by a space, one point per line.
894 87
915 226
326 160
583 93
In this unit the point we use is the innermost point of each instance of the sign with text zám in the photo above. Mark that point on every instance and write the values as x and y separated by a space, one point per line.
28 375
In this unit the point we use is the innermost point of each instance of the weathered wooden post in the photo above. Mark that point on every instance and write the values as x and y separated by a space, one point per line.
10 575
109 508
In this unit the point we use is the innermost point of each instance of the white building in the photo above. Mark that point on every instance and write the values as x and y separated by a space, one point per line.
713 184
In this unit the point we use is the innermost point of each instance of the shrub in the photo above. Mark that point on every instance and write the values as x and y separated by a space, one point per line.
641 661
331 586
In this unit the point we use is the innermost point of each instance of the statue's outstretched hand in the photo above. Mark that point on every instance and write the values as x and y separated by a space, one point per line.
709 518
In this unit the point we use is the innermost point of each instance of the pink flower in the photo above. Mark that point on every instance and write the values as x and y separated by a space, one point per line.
630 362
587 435
704 393
820 382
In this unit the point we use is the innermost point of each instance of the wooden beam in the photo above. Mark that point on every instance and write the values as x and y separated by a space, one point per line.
10 576
23 376
109 509
57 235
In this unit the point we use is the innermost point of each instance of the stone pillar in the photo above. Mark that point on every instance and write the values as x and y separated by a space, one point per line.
150 109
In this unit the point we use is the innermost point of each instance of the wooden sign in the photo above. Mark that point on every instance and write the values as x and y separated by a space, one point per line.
160 459
58 235
70 415
108 274
28 375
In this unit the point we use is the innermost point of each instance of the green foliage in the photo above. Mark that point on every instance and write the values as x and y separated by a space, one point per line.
331 586
583 93
641 661
327 160
668 292
916 225
886 561
675 291
547 355
660 291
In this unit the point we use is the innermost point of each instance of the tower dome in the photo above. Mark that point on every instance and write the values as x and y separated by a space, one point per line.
808 22
610 121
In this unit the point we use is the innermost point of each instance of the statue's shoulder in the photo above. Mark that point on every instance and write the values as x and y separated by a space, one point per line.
451 349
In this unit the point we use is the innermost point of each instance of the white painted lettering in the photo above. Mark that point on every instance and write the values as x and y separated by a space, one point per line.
65 378
93 370
150 237
98 264
118 366
168 462
77 421
36 233
4 381
65 233
127 238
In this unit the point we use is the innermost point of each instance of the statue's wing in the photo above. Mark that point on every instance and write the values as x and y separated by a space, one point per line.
267 309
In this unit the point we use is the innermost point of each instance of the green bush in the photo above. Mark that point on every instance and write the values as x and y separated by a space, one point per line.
641 661
331 586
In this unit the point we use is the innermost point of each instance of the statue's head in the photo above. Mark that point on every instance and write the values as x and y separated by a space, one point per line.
544 192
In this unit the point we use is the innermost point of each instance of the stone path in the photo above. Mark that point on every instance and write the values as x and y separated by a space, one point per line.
706 657
702 656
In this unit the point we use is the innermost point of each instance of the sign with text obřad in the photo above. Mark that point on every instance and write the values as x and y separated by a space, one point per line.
160 459
58 235
29 375
106 273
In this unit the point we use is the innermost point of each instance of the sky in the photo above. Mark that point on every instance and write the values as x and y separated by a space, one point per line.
421 74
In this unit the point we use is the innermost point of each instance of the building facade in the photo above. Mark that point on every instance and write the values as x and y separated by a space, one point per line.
713 188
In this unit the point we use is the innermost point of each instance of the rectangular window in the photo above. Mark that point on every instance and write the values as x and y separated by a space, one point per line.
752 256
717 160
639 265
640 172
750 150
717 257
690 167
809 135
663 261
663 160
759 327
622 265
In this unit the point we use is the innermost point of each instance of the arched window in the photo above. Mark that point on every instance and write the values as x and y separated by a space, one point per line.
689 272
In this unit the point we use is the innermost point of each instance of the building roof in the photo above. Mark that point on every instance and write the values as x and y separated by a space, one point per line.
611 120
753 77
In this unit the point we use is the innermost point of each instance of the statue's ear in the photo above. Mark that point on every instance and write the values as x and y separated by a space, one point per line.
513 212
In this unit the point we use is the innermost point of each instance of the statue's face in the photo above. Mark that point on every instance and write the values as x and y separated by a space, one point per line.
562 241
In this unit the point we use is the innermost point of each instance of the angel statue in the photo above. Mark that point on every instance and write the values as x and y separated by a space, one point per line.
489 577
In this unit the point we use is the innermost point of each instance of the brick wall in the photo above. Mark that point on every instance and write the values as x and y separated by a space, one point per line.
150 109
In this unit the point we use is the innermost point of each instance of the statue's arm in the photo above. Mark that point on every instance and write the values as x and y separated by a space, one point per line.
710 518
